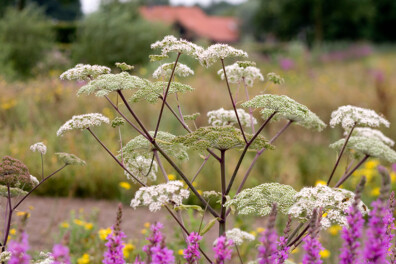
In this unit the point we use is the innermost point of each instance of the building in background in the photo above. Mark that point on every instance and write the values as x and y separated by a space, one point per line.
193 23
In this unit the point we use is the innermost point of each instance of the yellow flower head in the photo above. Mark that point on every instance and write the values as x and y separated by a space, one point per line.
22 214
84 259
64 225
372 164
103 233
324 253
79 222
12 231
88 226
171 177
147 224
334 230
260 229
376 191
180 252
128 248
125 185
320 182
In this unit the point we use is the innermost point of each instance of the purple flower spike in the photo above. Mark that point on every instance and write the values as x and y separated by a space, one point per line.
223 249
352 233
162 255
60 254
114 254
19 250
267 251
312 245
394 166
192 254
375 251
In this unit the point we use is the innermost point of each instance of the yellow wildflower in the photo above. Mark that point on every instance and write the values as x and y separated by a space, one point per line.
254 233
334 230
324 253
79 222
194 184
260 229
180 252
88 226
125 185
23 214
128 248
143 231
375 191
371 164
393 176
12 231
295 250
103 233
171 177
64 225
320 182
84 259
200 192
147 224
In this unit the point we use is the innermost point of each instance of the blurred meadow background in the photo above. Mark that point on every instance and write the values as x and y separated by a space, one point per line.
330 53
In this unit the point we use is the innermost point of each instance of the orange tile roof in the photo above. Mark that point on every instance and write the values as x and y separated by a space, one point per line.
193 19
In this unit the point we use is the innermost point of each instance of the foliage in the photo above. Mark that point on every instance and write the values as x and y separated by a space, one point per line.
25 37
115 33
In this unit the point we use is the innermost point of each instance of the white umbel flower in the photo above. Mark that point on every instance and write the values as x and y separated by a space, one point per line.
237 73
219 52
349 116
5 256
82 122
140 167
221 117
84 72
172 44
371 133
334 202
158 195
39 147
165 70
238 236
34 180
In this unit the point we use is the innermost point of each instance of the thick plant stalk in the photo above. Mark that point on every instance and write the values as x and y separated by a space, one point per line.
345 177
244 152
222 222
250 108
340 155
232 101
166 95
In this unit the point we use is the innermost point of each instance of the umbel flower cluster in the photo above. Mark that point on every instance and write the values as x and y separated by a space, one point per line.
156 196
313 207
221 117
334 202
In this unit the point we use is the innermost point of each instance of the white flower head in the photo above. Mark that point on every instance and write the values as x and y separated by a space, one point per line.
275 78
238 236
156 196
34 180
142 168
334 202
236 73
219 52
82 122
172 44
39 147
84 72
349 116
371 133
5 256
221 117
165 70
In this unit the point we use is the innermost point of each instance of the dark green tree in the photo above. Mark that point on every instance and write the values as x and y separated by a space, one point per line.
25 36
64 10
116 33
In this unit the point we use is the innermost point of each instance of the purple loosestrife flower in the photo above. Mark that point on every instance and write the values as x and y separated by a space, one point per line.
155 238
375 250
267 250
282 252
312 245
191 254
60 254
19 250
223 249
114 244
352 233
162 255
389 222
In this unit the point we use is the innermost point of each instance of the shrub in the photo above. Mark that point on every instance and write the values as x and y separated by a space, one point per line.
25 35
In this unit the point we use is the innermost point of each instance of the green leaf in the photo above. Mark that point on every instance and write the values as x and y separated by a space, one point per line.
187 206
208 226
